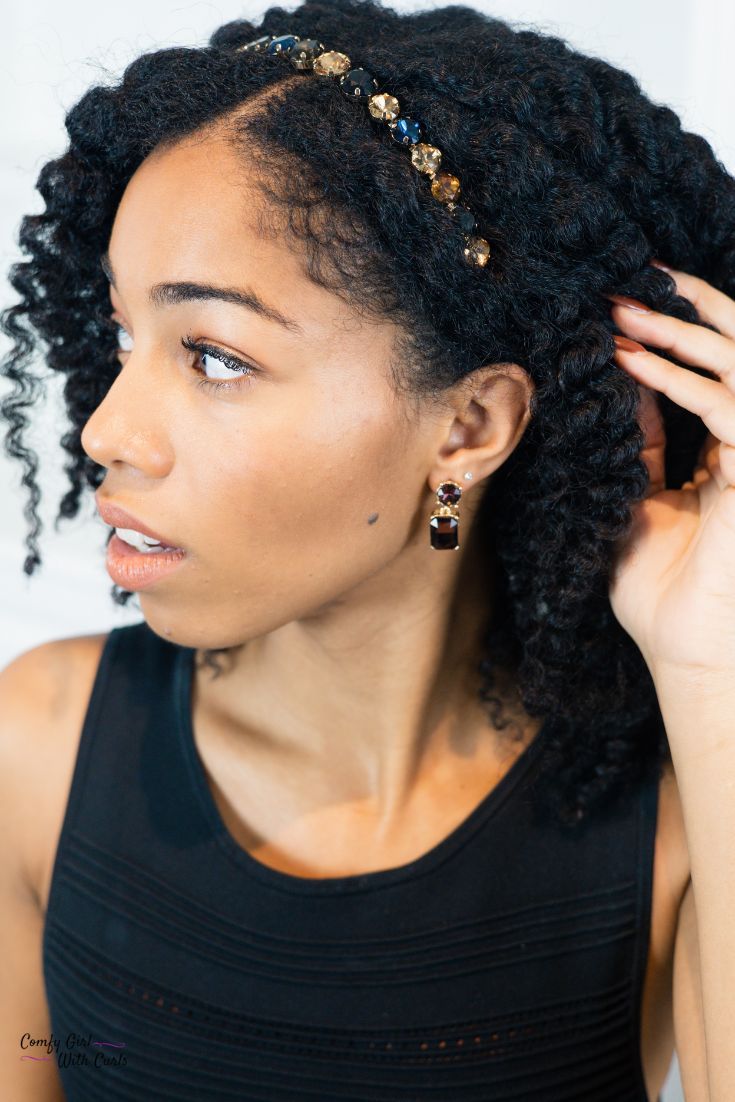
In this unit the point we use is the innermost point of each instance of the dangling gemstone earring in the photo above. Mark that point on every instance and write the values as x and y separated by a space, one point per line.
444 521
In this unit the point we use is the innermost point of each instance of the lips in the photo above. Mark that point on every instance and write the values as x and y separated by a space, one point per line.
117 517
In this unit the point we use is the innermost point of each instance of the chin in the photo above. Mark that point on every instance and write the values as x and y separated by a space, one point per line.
184 631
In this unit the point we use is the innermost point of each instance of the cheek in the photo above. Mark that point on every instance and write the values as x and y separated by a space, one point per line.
285 505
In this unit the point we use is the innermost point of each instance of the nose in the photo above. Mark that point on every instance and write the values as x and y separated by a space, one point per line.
129 426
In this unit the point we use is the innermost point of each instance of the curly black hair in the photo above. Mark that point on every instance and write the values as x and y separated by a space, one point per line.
577 180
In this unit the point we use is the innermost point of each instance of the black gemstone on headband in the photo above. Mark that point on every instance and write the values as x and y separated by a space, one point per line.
303 53
358 84
464 217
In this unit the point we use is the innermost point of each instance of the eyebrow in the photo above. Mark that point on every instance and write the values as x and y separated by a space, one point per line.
169 294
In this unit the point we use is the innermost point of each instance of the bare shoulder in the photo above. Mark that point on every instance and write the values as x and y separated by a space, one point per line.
44 693
42 703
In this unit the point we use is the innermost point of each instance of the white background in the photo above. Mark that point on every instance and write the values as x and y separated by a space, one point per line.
681 53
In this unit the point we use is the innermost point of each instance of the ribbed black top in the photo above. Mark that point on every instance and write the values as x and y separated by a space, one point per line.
506 963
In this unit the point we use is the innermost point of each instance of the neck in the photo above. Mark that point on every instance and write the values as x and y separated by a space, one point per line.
373 691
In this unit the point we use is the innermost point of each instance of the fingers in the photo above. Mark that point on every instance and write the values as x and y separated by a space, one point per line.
685 340
711 399
708 398
713 306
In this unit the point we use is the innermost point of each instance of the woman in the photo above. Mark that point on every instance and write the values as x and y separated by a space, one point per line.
346 816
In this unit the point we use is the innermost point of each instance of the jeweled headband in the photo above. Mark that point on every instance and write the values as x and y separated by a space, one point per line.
359 84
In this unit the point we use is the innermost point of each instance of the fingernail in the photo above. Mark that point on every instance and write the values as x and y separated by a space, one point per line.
658 264
631 303
627 345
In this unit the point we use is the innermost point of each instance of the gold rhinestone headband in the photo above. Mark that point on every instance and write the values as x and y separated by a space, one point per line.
359 84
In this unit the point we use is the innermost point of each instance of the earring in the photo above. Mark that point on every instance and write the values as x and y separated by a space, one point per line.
444 521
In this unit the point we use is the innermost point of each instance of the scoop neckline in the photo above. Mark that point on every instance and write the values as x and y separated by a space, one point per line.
355 882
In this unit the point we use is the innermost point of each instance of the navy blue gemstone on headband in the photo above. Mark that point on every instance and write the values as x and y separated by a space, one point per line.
358 84
406 131
282 44
464 217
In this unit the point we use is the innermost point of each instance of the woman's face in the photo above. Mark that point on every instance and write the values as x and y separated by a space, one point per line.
304 478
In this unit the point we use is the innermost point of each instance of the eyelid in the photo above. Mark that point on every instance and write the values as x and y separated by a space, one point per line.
243 369
214 345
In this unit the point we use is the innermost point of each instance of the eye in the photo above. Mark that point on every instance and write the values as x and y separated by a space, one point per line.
228 365
121 341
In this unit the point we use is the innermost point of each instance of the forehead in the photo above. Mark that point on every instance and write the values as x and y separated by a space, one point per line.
191 212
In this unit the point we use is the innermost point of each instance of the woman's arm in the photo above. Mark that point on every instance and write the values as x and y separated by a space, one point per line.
688 1012
23 1007
673 590
699 715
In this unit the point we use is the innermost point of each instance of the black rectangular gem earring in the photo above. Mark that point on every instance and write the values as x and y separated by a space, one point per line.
444 521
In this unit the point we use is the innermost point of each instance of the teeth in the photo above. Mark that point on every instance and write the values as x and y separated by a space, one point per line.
138 540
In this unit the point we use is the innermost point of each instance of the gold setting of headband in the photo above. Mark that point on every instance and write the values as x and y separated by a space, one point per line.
358 84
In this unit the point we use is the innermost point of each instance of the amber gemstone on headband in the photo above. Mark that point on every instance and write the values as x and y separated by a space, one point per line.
426 158
384 107
477 251
445 187
332 64
443 533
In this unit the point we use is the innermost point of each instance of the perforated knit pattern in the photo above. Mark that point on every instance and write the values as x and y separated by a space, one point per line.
504 964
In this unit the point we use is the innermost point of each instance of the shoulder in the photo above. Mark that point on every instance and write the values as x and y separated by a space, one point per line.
40 676
41 700
44 692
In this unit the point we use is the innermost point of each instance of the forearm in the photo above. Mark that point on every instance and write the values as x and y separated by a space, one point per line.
699 716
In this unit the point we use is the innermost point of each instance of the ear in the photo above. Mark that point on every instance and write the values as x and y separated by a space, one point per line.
489 409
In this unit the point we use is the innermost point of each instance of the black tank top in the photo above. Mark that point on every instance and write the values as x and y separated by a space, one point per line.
506 964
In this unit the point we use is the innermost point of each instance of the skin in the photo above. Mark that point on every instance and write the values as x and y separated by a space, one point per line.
302 498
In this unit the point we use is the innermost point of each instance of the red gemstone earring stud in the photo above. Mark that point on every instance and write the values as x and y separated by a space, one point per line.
444 521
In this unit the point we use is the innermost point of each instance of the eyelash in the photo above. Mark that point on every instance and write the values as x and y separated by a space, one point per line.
241 367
